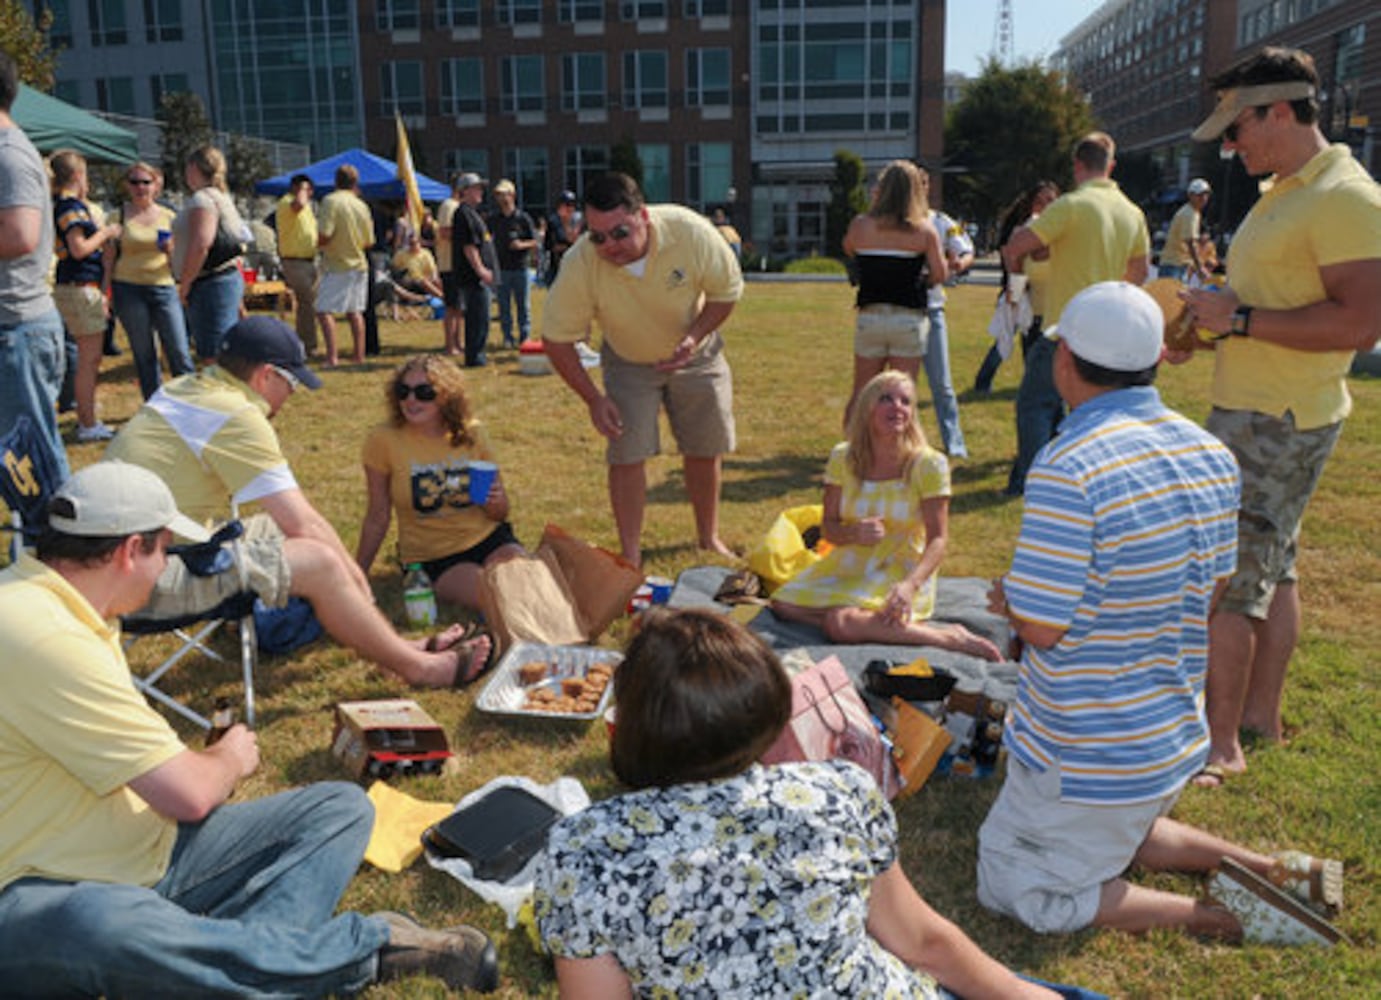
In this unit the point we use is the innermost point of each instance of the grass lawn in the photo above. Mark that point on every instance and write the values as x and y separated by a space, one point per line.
790 346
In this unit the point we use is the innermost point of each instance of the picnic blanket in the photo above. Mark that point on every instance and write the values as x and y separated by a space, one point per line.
962 600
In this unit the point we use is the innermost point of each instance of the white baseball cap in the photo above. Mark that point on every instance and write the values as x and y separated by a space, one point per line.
1199 186
1113 324
113 499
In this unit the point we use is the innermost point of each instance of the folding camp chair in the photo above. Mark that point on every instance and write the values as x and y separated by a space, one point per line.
193 631
29 478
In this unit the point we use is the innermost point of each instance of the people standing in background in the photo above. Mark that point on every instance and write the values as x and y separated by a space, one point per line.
472 256
451 323
295 220
208 238
958 250
564 227
79 289
345 232
730 234
1179 258
31 341
142 288
515 239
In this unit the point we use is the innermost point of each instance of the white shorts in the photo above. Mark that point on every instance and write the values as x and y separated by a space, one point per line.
887 331
343 292
1044 861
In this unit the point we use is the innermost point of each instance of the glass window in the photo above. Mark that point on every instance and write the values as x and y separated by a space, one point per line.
458 13
709 172
107 19
582 81
707 8
520 11
463 161
400 88
523 83
166 83
399 15
115 95
645 79
60 31
583 163
163 20
631 10
527 167
707 77
462 86
581 10
68 90
656 160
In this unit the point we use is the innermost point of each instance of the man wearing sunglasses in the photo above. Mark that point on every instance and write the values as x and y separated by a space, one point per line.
660 282
1303 295
208 436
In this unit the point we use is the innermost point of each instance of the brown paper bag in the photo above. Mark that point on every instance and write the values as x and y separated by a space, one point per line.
565 593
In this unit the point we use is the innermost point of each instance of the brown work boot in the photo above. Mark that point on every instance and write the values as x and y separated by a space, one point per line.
462 956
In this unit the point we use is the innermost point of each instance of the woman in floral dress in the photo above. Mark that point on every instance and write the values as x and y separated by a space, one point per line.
887 520
718 877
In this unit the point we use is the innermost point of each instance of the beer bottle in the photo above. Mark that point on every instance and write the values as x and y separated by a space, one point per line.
221 720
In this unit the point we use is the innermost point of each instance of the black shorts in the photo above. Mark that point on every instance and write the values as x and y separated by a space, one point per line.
450 291
477 554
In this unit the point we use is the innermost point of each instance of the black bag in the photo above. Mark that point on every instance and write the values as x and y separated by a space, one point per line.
498 835
880 681
224 248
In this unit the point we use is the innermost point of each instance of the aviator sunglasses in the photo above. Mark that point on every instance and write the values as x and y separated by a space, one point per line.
424 391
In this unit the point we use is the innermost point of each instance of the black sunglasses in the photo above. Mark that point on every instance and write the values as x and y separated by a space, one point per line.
425 391
1230 133
139 181
620 232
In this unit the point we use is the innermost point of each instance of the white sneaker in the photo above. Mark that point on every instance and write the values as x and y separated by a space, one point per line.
96 432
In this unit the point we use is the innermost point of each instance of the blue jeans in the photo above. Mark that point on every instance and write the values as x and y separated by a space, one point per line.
987 371
213 307
245 908
1039 410
942 387
474 300
514 284
31 369
1177 271
142 311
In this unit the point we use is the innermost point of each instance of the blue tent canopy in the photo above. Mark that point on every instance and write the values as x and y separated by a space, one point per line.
378 178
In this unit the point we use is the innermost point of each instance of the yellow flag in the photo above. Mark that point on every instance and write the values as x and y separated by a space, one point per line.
409 179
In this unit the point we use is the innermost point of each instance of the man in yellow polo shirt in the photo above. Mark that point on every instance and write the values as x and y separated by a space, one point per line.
295 220
1303 295
660 281
1180 257
124 870
1093 233
346 232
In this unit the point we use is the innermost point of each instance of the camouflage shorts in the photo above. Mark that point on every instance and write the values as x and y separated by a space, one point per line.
1280 468
259 566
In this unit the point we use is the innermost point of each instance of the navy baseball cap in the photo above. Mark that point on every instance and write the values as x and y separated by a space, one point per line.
270 340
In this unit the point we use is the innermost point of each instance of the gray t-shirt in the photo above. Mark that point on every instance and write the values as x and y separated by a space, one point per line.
24 294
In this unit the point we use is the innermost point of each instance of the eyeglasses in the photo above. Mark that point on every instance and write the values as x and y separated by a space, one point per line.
619 232
1230 133
139 181
288 377
424 391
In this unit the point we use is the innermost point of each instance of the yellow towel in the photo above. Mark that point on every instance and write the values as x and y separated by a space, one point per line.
399 821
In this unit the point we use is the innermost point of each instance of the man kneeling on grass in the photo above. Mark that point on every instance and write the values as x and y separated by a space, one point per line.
123 872
1128 536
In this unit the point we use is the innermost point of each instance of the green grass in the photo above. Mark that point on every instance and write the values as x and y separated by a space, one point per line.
790 348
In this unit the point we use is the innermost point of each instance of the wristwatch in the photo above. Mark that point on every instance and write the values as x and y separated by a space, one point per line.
1241 321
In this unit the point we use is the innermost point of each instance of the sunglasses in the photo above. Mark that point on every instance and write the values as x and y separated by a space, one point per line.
1230 133
139 181
424 391
288 377
620 232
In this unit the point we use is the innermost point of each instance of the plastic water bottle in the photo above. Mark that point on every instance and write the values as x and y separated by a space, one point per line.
418 598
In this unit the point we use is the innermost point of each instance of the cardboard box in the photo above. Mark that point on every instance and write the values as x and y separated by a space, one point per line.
394 736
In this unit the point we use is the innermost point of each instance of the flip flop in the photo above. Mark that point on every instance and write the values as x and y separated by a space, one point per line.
439 644
466 669
1316 881
1216 776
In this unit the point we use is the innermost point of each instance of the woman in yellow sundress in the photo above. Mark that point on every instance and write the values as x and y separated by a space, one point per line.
887 516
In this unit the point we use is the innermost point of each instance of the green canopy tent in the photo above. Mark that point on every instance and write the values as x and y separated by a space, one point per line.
52 124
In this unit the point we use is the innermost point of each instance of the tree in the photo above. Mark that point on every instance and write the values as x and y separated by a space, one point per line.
624 158
1012 128
246 165
847 199
26 42
185 128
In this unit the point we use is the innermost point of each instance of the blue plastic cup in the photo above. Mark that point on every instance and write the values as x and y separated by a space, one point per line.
661 589
481 480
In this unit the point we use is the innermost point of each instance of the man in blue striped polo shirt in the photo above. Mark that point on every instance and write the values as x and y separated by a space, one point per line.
1127 538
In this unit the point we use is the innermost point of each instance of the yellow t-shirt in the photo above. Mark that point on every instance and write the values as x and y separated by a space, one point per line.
141 260
73 733
1093 232
349 231
429 485
1184 226
1328 212
297 231
644 317
418 265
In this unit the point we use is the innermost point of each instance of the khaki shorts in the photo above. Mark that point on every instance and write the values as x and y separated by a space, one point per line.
1281 467
259 566
342 292
82 308
885 331
1044 861
699 400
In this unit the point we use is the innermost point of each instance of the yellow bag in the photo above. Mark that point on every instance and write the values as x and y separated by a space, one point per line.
782 553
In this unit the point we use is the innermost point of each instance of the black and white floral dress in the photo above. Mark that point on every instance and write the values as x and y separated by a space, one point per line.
753 886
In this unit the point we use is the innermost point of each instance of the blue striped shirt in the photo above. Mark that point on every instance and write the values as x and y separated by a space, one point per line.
1130 520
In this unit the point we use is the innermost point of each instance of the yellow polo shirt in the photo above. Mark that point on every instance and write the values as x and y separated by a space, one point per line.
643 317
349 231
1183 228
297 231
1328 212
1092 232
73 733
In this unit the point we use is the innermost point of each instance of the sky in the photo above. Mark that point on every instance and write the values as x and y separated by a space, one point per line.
1037 27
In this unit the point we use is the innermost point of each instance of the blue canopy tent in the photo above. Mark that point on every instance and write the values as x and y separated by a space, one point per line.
52 124
378 178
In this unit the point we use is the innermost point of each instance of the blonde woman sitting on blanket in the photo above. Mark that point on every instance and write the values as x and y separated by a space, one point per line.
887 516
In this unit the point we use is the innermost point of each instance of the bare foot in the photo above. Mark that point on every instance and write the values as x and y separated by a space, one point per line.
471 659
443 640
965 641
718 547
